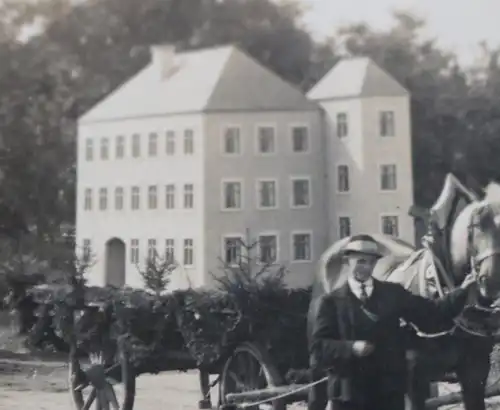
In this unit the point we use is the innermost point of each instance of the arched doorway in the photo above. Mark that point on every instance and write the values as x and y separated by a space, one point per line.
115 262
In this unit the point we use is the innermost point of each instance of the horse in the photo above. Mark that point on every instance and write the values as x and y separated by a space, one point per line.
464 346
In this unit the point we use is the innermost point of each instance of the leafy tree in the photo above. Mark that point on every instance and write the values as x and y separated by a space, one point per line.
157 272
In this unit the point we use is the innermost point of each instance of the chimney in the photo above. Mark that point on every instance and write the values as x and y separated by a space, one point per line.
163 59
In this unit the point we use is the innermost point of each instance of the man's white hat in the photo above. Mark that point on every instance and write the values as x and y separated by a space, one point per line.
362 244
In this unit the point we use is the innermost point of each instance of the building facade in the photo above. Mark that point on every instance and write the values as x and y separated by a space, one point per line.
202 149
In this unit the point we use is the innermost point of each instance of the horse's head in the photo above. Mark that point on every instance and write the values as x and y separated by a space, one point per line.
475 245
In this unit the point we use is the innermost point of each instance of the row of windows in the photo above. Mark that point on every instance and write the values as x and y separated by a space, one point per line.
232 196
268 249
231 143
388 178
389 225
386 124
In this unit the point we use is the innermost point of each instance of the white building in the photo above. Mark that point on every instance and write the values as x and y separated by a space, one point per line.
201 147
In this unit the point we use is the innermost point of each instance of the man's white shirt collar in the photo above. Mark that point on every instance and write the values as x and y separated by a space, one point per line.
356 286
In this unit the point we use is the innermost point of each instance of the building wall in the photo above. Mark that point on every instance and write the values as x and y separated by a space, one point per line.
249 167
100 226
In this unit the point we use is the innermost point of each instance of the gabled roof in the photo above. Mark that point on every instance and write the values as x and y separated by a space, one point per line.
216 79
356 77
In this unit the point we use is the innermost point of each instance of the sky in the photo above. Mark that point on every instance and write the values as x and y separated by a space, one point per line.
458 25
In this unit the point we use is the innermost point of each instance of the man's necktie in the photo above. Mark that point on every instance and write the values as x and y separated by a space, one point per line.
364 294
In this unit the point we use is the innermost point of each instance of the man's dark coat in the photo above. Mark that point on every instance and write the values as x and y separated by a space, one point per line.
342 318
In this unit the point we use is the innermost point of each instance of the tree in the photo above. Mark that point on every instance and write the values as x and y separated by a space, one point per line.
157 272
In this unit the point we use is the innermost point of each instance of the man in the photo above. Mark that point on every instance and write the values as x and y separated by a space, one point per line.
357 336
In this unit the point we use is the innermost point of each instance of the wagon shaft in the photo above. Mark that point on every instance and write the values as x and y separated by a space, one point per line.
269 393
455 398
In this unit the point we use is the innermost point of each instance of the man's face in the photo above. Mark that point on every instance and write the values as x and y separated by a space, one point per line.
361 266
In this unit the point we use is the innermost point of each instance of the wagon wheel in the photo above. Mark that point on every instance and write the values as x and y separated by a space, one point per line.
250 368
107 382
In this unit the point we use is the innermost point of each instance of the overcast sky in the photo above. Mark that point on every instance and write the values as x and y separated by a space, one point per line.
457 24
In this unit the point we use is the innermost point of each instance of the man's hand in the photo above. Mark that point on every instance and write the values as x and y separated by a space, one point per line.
362 348
469 280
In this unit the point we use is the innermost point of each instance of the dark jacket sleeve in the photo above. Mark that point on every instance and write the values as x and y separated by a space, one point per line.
328 348
428 314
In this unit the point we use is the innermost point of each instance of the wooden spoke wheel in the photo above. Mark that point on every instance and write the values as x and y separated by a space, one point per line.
105 383
250 368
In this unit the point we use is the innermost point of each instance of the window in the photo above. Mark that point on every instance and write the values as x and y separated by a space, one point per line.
170 250
232 250
387 128
342 125
120 147
87 250
302 247
300 139
135 198
266 143
390 225
388 177
301 193
119 198
232 195
170 196
136 146
153 144
343 178
267 191
188 142
170 143
134 251
151 249
344 226
104 148
232 141
268 249
87 204
188 196
103 199
188 252
152 197
89 149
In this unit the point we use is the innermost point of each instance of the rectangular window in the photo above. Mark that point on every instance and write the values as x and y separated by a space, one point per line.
342 125
344 226
119 198
232 195
268 249
120 147
388 177
89 149
170 250
232 141
188 252
153 144
266 140
87 205
188 142
301 193
387 126
103 199
152 197
170 196
232 250
152 249
390 225
300 139
170 143
87 250
104 148
343 178
267 193
188 196
136 146
134 251
135 198
302 247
